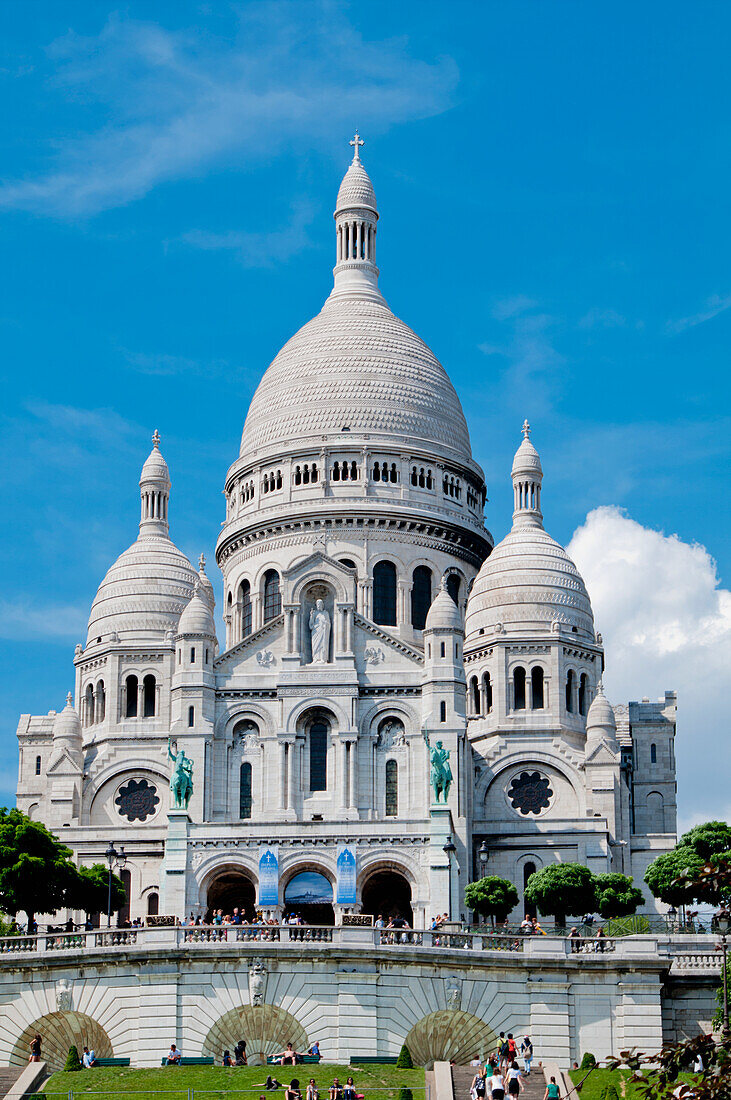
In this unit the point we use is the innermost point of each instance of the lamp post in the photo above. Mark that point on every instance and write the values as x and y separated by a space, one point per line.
118 859
450 849
483 855
722 923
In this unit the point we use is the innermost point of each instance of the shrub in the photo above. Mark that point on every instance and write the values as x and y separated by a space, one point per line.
405 1094
404 1062
609 1092
588 1061
72 1062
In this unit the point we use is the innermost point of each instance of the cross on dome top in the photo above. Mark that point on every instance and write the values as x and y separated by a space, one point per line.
69 700
156 439
202 563
356 142
526 429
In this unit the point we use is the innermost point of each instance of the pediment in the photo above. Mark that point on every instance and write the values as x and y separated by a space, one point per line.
314 560
266 639
601 754
376 639
62 764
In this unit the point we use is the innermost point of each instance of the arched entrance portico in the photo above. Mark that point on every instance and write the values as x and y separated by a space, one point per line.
231 888
310 895
387 893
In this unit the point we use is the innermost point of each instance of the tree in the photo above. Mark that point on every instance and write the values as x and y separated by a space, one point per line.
671 876
616 896
655 1075
588 1061
561 890
36 872
91 893
492 896
73 1063
710 839
404 1060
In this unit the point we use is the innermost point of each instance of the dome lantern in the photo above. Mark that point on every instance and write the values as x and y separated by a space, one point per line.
527 475
154 492
355 216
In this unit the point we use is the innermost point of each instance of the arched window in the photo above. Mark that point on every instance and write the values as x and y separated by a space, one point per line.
442 711
349 562
536 683
384 593
245 608
192 654
653 754
475 695
583 693
130 684
191 716
245 790
519 688
38 765
318 755
272 595
420 596
89 705
153 904
655 813
148 696
101 702
453 586
391 788
487 689
570 691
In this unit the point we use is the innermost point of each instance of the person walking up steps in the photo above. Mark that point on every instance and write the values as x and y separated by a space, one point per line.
552 1091
526 1050
496 1084
515 1080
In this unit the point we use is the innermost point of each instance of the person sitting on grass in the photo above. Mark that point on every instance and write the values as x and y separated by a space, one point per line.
174 1055
314 1050
349 1090
271 1084
336 1090
240 1053
312 1090
88 1058
226 1059
292 1092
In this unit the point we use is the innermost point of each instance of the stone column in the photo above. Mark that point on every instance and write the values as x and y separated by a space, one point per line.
352 773
291 773
343 793
140 699
282 776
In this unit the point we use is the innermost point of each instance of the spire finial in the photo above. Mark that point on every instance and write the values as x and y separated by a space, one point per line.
526 429
355 142
202 563
69 700
156 439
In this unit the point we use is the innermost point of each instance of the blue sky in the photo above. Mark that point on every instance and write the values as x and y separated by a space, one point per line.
553 183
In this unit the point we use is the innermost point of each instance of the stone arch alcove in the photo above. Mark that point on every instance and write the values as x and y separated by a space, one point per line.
449 1035
58 1032
266 1029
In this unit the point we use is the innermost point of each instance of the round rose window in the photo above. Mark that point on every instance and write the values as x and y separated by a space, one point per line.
530 793
137 800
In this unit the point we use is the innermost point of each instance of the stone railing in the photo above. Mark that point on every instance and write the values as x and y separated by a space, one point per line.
701 961
223 937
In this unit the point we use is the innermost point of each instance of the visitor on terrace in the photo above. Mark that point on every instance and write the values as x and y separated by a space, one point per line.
240 1053
288 1057
88 1058
174 1055
314 1050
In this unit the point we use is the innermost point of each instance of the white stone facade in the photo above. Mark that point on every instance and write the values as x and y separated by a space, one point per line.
355 486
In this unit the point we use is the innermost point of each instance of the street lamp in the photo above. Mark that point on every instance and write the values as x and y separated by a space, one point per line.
118 859
483 855
722 923
450 848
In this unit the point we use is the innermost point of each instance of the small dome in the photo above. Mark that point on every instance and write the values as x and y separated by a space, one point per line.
443 613
527 459
528 583
197 617
600 718
155 467
144 593
356 189
66 724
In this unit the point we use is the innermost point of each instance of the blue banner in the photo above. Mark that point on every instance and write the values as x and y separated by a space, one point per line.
346 875
269 876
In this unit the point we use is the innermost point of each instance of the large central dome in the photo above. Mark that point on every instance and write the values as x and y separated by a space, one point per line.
355 367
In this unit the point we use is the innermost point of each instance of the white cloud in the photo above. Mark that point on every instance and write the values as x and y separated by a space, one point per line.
602 318
260 249
176 102
717 303
22 619
533 363
666 624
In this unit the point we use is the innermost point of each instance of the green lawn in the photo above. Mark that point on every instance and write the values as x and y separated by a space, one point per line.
599 1078
377 1082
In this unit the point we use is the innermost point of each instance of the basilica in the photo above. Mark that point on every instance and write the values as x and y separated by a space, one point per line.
394 706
